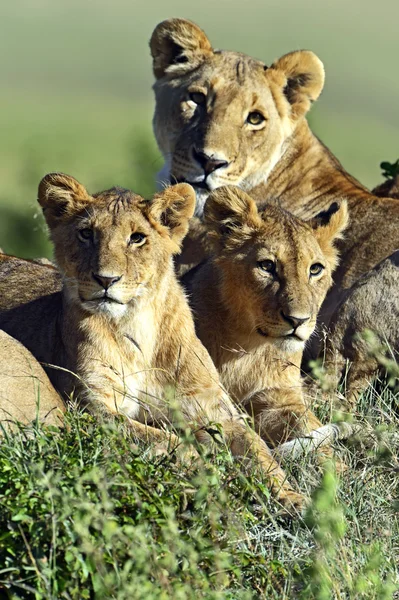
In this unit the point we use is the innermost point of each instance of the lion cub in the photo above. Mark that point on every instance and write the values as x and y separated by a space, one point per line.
256 302
122 323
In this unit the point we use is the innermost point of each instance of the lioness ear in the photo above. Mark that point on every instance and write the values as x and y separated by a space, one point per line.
328 227
177 45
172 209
303 79
230 215
60 196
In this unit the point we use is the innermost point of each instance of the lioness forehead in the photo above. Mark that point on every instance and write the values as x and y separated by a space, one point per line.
229 67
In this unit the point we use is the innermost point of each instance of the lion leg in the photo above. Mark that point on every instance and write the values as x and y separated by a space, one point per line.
245 443
281 415
284 421
164 442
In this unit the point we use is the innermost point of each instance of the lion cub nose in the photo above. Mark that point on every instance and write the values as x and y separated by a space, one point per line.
208 163
294 321
106 281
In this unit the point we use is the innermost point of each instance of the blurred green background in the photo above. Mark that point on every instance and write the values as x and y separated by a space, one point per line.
75 79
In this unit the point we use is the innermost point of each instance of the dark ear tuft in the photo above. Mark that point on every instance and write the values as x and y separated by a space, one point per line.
294 84
301 76
329 226
324 217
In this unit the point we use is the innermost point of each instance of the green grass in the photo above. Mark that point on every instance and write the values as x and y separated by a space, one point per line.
86 513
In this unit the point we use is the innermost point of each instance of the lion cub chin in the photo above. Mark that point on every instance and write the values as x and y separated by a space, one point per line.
256 303
122 324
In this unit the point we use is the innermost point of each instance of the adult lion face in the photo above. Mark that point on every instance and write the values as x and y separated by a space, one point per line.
223 117
113 247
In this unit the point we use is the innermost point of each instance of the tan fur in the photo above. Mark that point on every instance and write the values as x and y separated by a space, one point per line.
26 393
132 345
280 158
371 304
241 310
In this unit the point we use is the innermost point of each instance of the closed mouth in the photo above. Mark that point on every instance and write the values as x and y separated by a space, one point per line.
196 184
292 335
101 300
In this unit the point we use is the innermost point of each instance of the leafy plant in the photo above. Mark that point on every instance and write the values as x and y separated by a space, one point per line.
390 170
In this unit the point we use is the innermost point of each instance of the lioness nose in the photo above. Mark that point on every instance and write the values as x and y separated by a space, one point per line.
294 321
105 280
208 163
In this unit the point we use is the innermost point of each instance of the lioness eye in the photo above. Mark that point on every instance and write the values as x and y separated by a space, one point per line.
255 118
267 265
85 234
316 269
198 98
138 239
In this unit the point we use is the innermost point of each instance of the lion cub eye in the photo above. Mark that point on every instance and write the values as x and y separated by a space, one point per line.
255 118
137 239
267 265
316 269
85 234
198 98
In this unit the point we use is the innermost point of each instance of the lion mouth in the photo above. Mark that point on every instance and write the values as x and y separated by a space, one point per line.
288 336
196 184
101 300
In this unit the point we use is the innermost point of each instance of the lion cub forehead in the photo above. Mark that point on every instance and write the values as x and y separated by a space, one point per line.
281 228
117 199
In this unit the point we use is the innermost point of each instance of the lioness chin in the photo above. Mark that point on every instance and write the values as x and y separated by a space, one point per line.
120 333
256 302
224 118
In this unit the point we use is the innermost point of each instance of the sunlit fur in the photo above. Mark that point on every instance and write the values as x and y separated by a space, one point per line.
281 158
238 306
132 347
26 394
234 86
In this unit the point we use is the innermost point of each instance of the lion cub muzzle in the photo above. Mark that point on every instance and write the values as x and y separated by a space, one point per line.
106 281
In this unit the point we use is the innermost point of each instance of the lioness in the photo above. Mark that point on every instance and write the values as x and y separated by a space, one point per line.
225 118
26 393
256 301
122 323
390 187
371 304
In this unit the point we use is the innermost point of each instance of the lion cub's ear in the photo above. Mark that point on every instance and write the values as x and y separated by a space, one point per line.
329 226
172 209
301 76
177 45
230 216
60 196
